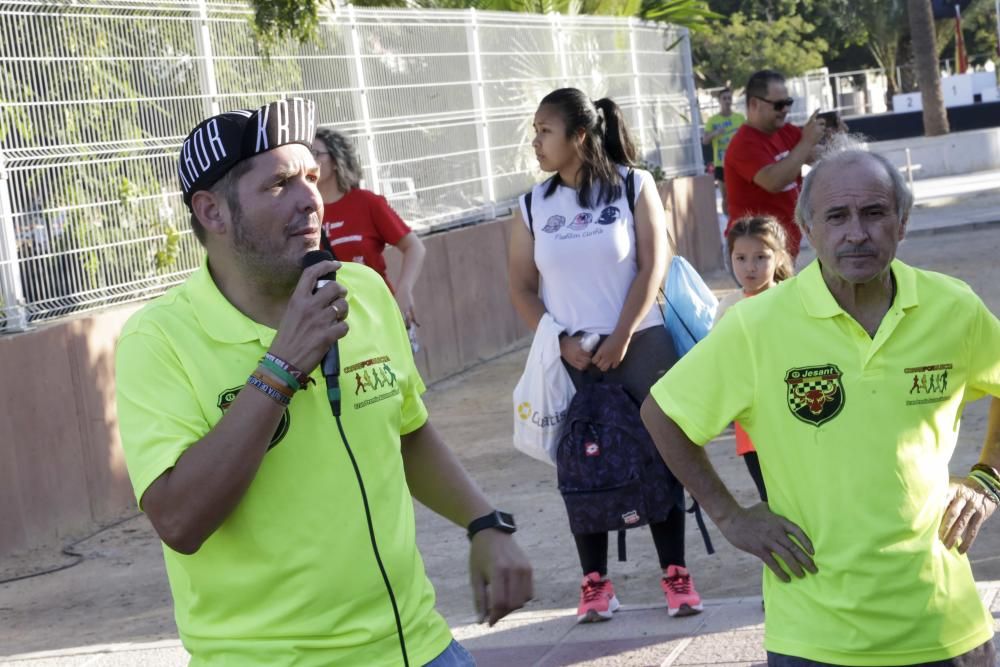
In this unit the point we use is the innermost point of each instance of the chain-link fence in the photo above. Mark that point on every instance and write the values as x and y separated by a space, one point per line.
97 95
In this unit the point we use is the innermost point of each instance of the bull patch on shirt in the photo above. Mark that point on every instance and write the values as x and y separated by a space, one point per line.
815 393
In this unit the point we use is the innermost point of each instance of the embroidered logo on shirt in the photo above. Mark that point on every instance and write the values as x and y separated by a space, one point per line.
226 399
815 393
374 381
930 384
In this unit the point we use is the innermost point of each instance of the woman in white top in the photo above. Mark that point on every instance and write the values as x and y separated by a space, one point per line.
596 268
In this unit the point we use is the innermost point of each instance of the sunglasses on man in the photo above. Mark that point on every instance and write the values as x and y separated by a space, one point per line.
779 105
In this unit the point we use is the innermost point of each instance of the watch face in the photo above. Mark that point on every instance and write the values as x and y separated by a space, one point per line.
506 521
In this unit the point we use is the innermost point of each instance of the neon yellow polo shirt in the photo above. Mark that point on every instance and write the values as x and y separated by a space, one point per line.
290 577
854 437
731 123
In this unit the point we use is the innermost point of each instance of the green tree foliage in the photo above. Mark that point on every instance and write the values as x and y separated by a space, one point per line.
279 20
693 14
736 49
276 21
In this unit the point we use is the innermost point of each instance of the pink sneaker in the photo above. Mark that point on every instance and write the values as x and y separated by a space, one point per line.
682 598
597 599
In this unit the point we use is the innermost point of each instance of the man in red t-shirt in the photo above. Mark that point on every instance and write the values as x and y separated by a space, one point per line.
764 160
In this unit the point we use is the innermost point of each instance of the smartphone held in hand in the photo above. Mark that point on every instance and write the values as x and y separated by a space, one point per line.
830 118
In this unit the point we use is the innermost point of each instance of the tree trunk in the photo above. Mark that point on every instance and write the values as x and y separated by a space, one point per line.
925 58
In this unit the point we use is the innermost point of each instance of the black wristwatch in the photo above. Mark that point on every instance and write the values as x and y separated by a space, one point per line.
502 521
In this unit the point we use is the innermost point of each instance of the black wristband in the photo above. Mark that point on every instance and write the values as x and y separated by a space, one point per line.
501 521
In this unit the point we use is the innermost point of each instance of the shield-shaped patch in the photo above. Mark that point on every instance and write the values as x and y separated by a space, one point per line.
815 393
226 399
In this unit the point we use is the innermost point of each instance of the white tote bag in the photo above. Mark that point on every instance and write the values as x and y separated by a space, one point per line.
542 395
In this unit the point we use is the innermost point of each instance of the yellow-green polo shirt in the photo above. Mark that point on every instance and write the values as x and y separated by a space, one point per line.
854 437
290 577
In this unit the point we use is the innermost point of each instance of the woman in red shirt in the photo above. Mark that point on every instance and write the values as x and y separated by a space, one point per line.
358 224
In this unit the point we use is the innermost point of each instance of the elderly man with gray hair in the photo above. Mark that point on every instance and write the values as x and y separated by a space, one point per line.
851 379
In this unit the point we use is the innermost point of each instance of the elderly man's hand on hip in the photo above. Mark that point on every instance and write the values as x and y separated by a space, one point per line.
968 506
761 532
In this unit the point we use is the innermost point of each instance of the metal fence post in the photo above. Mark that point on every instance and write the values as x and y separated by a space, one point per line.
557 44
637 88
358 83
699 161
479 102
203 38
11 290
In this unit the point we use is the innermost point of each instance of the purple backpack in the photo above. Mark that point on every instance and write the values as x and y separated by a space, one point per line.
611 476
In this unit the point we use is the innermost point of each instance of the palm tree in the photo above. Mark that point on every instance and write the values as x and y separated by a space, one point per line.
928 76
692 14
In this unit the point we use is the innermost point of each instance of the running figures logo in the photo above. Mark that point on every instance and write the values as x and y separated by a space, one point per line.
374 380
226 399
929 384
815 393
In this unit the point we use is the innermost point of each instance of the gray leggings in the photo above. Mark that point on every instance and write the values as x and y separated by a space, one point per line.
650 354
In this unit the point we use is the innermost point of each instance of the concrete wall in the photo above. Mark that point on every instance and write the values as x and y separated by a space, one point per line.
948 155
61 466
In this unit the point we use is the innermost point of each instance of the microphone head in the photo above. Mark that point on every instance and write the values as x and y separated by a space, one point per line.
315 257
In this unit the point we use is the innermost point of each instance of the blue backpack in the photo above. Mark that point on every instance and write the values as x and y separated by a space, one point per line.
610 475
688 305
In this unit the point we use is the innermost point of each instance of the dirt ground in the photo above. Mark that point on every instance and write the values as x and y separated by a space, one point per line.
119 592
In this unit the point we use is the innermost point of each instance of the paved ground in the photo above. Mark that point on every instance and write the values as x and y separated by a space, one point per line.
113 609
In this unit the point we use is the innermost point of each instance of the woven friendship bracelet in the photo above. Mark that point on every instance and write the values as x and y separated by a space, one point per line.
987 483
270 391
264 377
303 378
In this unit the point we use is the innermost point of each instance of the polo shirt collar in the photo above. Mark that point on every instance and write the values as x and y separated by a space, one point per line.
819 302
218 318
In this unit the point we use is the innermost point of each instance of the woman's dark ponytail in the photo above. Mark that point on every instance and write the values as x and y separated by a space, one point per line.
606 144
617 143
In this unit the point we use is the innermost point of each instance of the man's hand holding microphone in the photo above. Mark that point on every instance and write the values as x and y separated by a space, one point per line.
315 317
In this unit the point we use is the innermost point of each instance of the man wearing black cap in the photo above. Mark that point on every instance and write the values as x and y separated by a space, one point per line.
288 533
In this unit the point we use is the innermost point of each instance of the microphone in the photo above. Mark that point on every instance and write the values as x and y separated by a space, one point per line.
331 361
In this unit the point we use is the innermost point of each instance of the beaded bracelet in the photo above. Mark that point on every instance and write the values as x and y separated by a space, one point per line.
303 378
270 391
990 471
